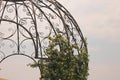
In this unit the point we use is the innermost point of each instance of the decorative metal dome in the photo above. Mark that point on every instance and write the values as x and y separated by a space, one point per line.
25 26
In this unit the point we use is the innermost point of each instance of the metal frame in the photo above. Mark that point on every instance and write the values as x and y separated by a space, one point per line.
31 22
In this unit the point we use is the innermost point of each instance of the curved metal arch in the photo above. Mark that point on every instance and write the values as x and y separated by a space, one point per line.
32 38
70 29
74 23
60 12
64 10
18 54
59 8
51 25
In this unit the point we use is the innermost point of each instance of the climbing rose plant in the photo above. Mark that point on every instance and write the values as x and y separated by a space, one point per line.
63 64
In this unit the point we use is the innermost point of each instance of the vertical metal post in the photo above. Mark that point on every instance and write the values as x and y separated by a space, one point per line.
18 39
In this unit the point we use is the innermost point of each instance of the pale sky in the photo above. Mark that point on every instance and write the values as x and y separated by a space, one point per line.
99 21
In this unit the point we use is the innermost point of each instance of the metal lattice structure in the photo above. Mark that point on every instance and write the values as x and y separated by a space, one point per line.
25 26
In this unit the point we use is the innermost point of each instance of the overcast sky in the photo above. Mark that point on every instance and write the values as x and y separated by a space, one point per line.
99 21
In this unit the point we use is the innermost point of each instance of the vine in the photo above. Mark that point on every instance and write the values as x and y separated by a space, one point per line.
63 64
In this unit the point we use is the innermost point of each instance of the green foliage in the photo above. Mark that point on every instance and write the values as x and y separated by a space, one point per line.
63 64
